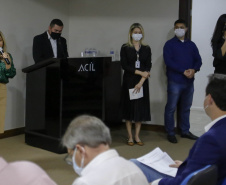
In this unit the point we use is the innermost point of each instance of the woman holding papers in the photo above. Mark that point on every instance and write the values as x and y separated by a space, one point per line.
136 63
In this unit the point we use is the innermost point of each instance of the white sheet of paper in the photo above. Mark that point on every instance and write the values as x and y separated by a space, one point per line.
134 96
160 161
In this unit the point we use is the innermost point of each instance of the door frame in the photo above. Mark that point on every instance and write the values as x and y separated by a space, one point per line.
185 12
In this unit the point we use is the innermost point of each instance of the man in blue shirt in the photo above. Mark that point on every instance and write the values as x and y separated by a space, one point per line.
182 61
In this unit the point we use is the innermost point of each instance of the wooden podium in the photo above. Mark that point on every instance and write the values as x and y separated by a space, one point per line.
57 90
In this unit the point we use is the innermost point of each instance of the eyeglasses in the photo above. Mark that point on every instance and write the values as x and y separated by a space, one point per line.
68 159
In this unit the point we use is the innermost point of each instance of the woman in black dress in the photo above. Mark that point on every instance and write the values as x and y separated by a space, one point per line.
136 63
218 43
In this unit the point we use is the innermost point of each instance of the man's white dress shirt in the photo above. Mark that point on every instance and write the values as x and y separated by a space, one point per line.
108 168
53 44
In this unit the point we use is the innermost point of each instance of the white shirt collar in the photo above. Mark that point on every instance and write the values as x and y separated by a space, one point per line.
207 127
53 44
101 158
49 37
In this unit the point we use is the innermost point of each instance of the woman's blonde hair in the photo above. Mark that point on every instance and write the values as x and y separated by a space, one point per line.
132 27
4 43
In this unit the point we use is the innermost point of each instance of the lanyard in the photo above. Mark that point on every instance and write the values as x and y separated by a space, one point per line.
137 52
137 63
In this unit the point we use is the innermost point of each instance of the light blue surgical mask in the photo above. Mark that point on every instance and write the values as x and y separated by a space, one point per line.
137 37
206 107
179 32
77 169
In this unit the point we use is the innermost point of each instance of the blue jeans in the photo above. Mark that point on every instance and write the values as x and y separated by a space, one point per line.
149 172
178 96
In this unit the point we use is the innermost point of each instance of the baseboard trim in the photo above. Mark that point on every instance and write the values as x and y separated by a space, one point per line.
149 127
18 131
156 128
13 132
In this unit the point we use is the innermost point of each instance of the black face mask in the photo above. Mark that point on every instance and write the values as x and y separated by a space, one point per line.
55 35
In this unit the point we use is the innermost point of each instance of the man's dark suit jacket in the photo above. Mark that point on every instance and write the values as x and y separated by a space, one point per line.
209 149
42 48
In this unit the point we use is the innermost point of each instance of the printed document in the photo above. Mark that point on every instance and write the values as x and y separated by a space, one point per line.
134 95
160 161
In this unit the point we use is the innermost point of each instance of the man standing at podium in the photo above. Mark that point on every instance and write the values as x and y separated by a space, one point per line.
50 44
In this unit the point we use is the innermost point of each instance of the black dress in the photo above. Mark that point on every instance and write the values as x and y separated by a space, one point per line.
219 61
137 110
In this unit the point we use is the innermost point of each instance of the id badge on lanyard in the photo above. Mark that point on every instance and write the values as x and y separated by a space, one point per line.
137 63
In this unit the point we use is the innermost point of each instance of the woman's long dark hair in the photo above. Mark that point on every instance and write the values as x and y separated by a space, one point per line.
219 28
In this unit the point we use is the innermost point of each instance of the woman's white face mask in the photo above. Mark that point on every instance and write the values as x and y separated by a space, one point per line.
137 37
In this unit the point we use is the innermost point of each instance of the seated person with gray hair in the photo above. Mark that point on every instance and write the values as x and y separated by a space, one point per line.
87 139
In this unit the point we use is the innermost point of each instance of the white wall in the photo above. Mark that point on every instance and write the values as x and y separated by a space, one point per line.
105 24
20 22
204 17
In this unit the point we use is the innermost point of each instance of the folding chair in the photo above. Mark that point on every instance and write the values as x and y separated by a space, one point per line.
204 176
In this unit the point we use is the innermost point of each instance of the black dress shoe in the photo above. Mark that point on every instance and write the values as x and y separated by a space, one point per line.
172 139
189 135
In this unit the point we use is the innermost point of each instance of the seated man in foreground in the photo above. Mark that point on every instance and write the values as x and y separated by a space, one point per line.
87 139
210 148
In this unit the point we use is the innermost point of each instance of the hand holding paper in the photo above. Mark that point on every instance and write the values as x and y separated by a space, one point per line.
176 164
160 161
134 95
